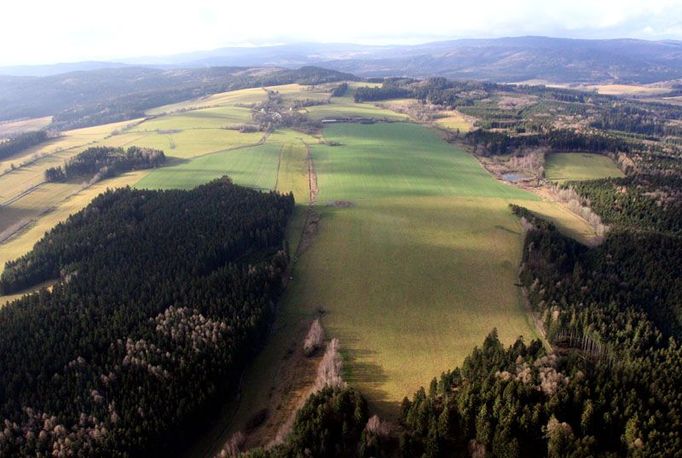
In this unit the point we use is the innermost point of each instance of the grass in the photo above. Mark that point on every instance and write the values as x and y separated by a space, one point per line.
399 160
566 221
33 204
207 118
254 166
9 128
244 96
561 167
454 120
291 92
189 143
345 108
413 275
279 164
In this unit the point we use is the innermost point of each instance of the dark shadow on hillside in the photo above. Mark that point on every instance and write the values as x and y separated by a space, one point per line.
367 375
172 161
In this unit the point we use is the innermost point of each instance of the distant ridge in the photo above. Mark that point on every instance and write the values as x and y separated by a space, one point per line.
509 59
57 69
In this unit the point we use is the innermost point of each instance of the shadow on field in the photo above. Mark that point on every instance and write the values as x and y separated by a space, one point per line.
172 161
364 373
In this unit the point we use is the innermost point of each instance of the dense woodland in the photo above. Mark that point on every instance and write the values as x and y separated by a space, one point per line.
161 297
21 142
384 92
105 162
487 142
637 202
340 90
330 423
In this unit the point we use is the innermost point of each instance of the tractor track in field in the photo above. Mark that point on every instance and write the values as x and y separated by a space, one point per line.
312 176
296 373
312 217
279 166
21 195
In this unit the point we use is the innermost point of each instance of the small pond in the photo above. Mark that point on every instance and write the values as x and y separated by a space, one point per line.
514 177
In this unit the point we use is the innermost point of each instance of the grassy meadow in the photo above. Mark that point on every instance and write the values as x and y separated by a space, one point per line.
561 167
344 107
454 120
11 128
411 276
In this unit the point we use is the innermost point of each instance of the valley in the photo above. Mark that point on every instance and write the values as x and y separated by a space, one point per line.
410 261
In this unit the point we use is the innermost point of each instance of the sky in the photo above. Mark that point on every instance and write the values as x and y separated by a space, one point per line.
50 31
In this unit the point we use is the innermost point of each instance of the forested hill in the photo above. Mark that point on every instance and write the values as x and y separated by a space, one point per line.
523 58
162 297
101 96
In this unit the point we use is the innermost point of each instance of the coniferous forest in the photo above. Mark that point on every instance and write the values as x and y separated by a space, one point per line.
105 162
159 298
21 142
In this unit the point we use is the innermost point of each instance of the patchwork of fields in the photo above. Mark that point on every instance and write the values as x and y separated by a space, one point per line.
416 252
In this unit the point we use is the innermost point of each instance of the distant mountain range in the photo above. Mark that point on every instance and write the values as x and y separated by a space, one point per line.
515 59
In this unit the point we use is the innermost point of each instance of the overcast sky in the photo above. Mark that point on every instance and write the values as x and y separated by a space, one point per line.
49 31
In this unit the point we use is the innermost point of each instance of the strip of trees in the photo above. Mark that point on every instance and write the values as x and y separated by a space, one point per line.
21 142
104 162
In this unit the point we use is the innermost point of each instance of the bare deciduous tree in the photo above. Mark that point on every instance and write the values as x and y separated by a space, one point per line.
314 339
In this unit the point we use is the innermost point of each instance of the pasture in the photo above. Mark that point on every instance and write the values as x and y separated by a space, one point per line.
232 98
254 166
345 108
10 128
562 167
454 120
278 163
410 276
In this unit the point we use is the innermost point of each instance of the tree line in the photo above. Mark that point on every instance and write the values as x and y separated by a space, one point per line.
105 161
21 142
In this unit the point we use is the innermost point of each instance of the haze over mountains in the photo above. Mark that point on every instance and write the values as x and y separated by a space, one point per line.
501 59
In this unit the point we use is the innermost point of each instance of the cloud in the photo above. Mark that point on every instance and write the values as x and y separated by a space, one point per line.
40 31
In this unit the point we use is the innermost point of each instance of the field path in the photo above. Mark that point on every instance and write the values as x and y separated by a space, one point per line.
312 176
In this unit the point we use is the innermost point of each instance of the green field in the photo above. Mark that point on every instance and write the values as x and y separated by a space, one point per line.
254 166
344 107
412 275
279 163
561 167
